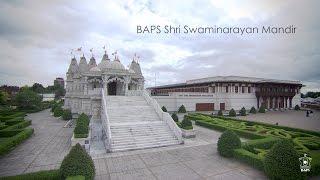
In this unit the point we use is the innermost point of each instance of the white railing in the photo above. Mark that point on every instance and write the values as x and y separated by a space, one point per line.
105 121
163 115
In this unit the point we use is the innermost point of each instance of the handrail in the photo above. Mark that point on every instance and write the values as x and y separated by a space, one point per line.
163 115
105 121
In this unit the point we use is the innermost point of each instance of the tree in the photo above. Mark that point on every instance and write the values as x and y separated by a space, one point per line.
182 109
232 113
164 109
27 99
227 142
3 97
59 91
175 117
243 111
38 88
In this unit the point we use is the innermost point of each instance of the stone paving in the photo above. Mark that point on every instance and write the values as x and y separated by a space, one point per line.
196 159
290 118
44 150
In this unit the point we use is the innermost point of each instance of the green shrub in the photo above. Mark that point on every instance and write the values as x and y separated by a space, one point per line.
282 161
243 112
297 107
164 109
40 175
175 117
186 123
249 158
232 113
58 111
77 162
262 109
182 109
253 110
227 142
11 142
220 113
67 115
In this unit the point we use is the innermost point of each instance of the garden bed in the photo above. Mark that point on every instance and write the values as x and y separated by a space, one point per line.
263 136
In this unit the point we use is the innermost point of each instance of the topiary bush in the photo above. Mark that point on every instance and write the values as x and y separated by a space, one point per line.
232 113
164 109
175 117
220 113
76 163
67 115
227 142
253 110
58 111
297 107
282 161
182 109
262 109
243 111
186 123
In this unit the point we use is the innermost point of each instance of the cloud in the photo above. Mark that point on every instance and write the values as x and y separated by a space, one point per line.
36 38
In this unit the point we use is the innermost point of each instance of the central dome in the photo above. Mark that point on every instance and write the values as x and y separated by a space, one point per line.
115 65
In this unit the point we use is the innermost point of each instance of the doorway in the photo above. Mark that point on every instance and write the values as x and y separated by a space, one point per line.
112 88
222 106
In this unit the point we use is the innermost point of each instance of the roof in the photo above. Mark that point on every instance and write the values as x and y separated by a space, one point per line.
230 79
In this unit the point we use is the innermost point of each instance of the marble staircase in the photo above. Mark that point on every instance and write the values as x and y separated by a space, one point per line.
134 124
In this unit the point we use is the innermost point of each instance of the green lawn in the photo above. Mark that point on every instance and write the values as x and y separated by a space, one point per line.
263 136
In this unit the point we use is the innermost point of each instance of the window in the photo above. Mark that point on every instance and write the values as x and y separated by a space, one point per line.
227 89
236 89
242 89
249 89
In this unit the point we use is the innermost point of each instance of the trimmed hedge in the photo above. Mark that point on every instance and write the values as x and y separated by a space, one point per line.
220 113
67 115
253 110
265 143
243 112
20 125
82 127
242 133
249 158
43 175
164 109
77 162
11 142
297 107
232 113
227 142
182 109
282 162
175 117
76 178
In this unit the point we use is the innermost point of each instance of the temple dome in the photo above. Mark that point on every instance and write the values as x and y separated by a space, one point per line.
116 64
104 64
95 69
83 66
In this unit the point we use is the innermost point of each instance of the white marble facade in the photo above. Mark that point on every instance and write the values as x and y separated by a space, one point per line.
85 81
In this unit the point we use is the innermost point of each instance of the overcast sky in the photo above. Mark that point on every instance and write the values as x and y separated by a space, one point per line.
36 38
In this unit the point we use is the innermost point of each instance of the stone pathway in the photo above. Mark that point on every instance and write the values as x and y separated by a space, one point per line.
290 118
44 150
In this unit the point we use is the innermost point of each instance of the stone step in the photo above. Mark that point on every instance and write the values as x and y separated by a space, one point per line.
127 148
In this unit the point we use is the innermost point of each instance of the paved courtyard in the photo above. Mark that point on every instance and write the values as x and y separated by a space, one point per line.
288 118
44 150
196 159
